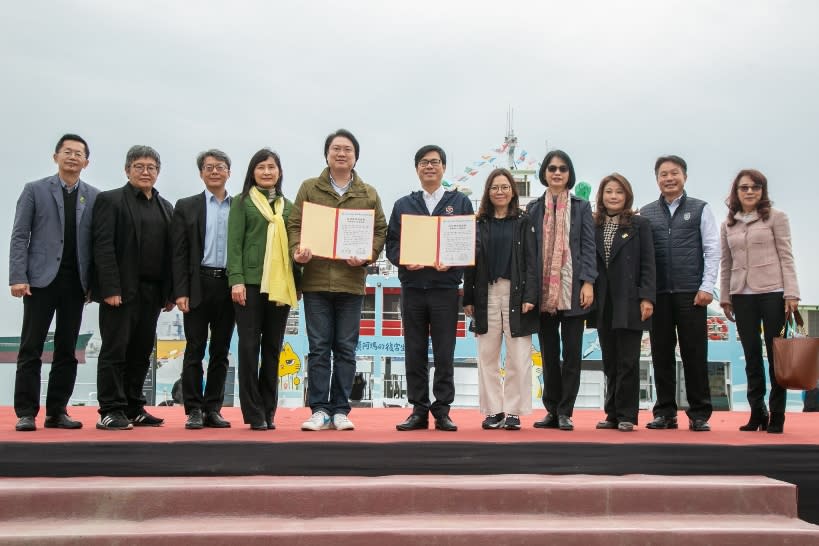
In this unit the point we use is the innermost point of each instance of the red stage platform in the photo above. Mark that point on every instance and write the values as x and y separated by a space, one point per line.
375 448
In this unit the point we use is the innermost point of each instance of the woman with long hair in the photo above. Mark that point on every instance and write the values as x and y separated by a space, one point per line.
757 287
263 284
500 294
567 269
625 292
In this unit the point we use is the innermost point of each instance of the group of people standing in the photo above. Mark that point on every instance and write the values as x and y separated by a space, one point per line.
550 270
562 266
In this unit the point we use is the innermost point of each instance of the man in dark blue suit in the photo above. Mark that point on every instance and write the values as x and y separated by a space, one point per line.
50 268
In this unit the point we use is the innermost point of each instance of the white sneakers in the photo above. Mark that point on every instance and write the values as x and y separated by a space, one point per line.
342 422
320 420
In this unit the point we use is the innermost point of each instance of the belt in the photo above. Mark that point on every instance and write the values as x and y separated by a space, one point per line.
214 272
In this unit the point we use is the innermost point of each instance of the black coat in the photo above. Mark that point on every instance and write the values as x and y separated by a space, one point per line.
629 278
581 245
524 282
116 240
188 247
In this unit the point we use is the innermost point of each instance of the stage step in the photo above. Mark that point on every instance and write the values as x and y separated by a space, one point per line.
398 510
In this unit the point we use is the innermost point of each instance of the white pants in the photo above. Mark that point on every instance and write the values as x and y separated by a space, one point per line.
510 391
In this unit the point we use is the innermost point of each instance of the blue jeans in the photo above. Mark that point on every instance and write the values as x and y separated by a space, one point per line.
333 320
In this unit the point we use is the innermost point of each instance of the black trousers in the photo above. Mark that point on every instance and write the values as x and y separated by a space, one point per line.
676 315
63 297
621 365
561 383
128 333
215 314
260 325
751 311
430 313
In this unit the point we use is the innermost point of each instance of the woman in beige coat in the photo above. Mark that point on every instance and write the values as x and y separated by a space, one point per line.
757 287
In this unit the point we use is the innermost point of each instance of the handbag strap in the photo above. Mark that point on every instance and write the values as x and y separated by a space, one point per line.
793 324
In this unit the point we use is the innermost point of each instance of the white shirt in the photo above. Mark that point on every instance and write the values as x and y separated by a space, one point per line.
432 199
709 232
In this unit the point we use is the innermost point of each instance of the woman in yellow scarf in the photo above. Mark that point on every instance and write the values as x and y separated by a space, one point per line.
263 284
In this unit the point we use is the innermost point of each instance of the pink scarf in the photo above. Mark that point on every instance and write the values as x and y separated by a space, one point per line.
557 256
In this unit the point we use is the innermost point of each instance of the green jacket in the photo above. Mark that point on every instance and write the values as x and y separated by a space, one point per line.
324 274
247 238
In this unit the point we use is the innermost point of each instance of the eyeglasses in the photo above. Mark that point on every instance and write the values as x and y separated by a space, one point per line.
554 168
748 189
220 168
72 153
139 167
339 149
428 162
504 188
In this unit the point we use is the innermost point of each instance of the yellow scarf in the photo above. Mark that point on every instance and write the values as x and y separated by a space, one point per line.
277 273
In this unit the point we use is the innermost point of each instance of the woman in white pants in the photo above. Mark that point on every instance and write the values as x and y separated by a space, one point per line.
500 293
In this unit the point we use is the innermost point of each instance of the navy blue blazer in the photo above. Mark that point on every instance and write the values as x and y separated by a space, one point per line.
581 243
39 229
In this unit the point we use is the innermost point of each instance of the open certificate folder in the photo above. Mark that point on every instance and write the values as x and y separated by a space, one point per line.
337 233
447 240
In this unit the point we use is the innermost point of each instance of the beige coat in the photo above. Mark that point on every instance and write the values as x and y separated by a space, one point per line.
757 255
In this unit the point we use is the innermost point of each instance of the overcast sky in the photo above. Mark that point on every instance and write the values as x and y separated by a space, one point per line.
726 85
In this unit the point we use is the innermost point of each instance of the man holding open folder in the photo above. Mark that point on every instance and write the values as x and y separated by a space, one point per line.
429 297
333 288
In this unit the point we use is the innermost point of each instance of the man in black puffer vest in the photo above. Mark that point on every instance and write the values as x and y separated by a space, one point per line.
686 244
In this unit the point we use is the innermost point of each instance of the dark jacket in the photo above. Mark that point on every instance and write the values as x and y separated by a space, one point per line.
524 286
629 278
581 244
188 247
453 203
677 244
117 240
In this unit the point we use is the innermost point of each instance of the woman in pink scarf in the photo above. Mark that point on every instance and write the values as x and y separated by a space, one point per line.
567 269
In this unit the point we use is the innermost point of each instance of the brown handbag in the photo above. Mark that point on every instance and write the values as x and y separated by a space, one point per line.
796 356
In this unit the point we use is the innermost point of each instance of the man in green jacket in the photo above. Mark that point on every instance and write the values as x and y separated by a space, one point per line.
333 289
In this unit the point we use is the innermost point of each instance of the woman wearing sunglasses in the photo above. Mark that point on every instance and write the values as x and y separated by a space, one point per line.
757 287
500 294
566 271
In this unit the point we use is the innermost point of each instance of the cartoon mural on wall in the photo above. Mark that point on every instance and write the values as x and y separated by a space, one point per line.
289 367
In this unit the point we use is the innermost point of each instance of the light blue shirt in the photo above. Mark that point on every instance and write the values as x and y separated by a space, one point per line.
216 230
709 232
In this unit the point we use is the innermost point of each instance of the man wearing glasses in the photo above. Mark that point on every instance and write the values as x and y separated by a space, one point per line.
50 268
429 298
199 239
687 254
132 285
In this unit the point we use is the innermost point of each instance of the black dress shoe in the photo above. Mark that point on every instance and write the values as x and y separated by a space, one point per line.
195 421
662 422
61 421
414 422
25 424
699 425
550 421
213 419
258 426
606 425
445 423
564 422
270 424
